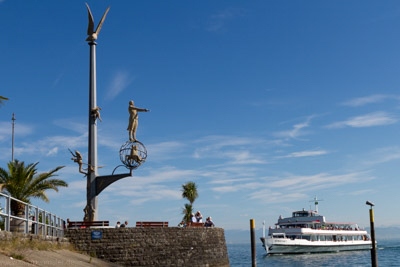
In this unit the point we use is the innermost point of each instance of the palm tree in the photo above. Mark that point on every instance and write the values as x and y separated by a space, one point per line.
187 211
2 98
189 191
23 182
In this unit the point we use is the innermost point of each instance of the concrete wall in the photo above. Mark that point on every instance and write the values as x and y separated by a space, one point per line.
170 246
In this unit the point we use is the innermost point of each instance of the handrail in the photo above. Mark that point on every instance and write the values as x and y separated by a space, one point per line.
48 225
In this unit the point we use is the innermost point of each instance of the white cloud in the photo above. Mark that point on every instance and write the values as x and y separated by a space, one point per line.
242 158
297 131
19 130
78 204
72 124
306 153
361 101
362 192
58 79
269 196
318 181
50 146
236 150
218 21
157 176
293 187
383 155
229 181
159 184
120 81
155 194
165 150
237 187
372 119
52 151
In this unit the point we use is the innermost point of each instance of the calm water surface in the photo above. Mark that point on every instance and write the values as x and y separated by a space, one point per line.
388 255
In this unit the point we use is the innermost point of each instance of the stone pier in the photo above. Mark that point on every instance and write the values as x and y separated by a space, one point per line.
169 246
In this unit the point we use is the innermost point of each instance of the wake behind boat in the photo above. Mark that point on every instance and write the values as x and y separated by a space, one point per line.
309 232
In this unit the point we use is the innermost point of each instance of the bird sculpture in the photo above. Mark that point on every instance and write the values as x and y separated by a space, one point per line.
92 35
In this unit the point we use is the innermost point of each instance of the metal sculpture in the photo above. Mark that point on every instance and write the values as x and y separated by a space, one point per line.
77 157
133 119
132 154
92 35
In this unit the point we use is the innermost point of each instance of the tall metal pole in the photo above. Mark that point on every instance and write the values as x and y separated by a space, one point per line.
95 183
92 149
253 243
374 259
12 145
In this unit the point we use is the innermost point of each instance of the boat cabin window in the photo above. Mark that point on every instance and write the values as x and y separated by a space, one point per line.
322 238
302 214
328 238
358 237
278 235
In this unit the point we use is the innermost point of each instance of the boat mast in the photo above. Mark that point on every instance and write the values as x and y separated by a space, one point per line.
315 200
264 229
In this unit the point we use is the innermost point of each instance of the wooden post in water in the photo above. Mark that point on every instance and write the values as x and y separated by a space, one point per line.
253 243
374 260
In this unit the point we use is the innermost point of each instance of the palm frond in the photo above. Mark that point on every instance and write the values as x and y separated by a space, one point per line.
24 182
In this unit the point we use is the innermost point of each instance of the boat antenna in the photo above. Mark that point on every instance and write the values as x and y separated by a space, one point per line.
315 200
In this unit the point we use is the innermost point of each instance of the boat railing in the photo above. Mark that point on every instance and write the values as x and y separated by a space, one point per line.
331 228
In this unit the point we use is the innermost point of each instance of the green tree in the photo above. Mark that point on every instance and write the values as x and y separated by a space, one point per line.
187 211
189 191
2 98
23 182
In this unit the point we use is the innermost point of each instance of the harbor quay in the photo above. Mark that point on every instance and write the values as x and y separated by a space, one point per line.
153 246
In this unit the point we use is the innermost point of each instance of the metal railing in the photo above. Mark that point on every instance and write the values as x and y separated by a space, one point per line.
34 221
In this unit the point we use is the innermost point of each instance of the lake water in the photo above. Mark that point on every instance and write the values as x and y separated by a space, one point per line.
388 255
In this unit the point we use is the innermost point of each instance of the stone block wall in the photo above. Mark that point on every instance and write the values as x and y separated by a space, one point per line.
169 246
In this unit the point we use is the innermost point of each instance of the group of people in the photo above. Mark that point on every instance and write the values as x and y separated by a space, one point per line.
198 218
195 218
118 225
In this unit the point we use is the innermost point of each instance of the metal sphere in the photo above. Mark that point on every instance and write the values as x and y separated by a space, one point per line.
132 154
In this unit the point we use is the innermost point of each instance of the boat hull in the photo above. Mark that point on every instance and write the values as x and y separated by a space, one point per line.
272 247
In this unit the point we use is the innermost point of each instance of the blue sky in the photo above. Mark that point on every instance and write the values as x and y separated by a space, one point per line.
263 104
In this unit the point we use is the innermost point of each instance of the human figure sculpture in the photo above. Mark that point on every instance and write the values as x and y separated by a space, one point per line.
133 120
96 113
77 157
133 156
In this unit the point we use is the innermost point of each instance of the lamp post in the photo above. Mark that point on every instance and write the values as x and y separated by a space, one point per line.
374 260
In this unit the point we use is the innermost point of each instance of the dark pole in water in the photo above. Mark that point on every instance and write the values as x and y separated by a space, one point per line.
374 260
253 243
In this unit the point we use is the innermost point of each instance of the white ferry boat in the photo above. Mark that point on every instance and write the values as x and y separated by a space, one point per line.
309 232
